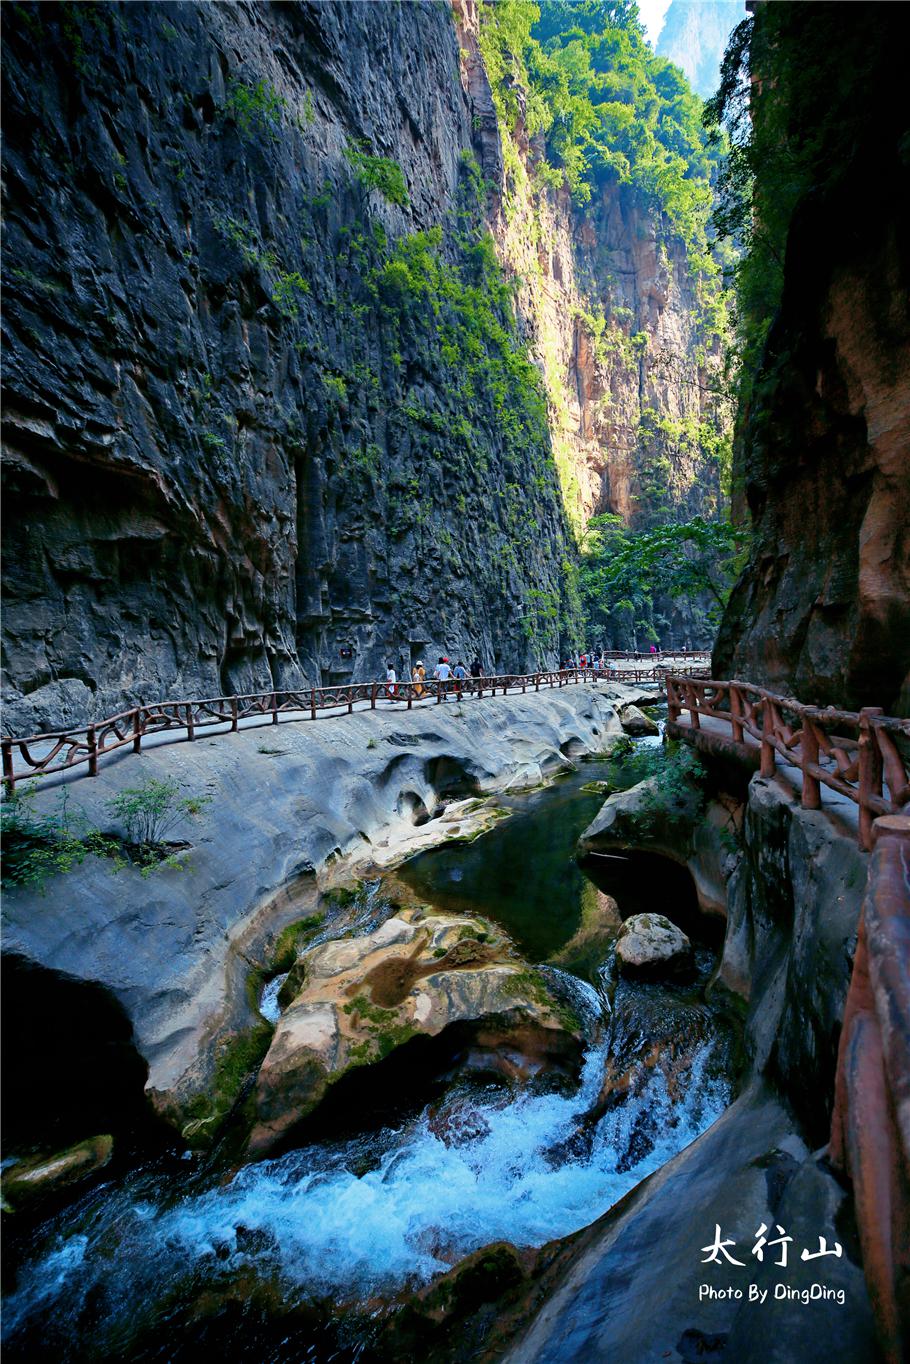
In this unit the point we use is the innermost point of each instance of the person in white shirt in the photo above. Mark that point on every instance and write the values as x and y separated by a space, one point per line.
442 672
390 678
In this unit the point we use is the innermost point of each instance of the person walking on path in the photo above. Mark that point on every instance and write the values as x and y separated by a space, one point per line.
418 673
442 672
459 673
390 679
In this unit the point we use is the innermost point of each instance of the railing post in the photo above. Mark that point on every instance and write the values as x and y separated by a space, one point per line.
870 773
524 681
190 727
410 695
233 714
767 732
812 793
438 692
373 697
736 711
312 703
137 729
8 778
350 700
674 709
537 681
692 704
274 707
92 742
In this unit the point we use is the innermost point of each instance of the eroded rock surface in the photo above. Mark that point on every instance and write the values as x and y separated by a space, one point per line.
292 805
417 974
636 723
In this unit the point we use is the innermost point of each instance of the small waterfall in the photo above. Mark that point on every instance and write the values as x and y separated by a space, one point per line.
362 915
355 1219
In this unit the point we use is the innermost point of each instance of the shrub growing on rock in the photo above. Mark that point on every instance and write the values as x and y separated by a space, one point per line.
149 813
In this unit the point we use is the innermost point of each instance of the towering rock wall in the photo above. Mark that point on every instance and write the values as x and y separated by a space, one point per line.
269 413
823 454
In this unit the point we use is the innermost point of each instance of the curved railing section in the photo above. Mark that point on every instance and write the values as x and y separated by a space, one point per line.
87 745
862 755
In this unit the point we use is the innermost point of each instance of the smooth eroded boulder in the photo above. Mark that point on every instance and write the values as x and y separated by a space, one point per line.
417 974
649 944
636 723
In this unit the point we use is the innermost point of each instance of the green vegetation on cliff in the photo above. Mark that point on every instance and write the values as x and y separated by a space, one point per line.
582 77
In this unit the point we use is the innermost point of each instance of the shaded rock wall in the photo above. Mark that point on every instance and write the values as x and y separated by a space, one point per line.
823 608
227 458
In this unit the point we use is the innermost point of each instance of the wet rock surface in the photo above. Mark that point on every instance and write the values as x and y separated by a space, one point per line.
40 1176
750 1169
419 973
636 723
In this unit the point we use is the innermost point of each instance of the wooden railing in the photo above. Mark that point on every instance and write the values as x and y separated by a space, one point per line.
870 1125
864 755
43 754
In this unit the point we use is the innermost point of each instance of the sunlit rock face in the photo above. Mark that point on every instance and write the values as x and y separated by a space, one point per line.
823 609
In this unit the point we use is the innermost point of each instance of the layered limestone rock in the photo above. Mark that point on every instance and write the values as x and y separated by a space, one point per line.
419 973
243 446
234 459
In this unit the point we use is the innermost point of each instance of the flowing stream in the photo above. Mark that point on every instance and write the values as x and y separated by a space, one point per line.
359 1217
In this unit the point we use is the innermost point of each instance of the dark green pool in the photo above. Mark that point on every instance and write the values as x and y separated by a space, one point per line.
522 873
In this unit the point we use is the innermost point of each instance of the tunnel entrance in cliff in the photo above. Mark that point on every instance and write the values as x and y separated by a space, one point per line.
70 1066
648 883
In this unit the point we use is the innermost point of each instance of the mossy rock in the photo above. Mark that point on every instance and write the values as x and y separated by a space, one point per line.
39 1176
238 1059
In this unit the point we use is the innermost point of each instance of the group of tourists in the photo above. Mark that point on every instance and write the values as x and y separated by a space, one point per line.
461 678
589 660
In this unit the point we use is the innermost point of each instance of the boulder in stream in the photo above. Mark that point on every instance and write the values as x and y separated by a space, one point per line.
39 1176
650 945
636 723
417 974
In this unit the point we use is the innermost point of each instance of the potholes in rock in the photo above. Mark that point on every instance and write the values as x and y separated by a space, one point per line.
573 748
451 777
412 806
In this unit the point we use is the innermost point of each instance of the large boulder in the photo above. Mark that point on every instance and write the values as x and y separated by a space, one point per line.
649 945
418 973
636 723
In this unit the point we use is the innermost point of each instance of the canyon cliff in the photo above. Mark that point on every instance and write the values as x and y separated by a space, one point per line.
279 408
823 447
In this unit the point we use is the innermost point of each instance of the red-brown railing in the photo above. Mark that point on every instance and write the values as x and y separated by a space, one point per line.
862 755
43 754
870 1126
